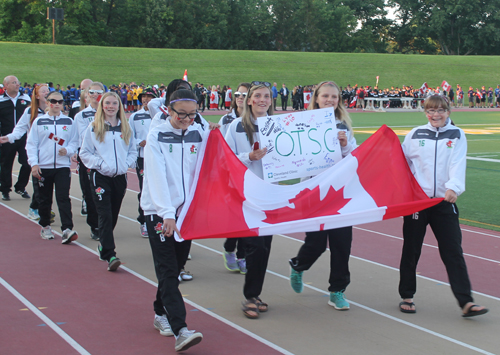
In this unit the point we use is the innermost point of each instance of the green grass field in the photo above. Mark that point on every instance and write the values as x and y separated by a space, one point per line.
479 203
70 64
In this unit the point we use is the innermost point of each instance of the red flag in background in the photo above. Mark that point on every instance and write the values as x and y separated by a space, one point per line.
371 184
185 77
445 85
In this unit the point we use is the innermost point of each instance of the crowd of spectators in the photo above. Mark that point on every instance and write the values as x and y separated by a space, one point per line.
352 96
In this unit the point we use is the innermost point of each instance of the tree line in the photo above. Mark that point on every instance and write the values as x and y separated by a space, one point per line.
449 27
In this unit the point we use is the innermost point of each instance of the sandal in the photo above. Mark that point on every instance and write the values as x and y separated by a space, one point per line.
471 313
409 304
263 307
250 308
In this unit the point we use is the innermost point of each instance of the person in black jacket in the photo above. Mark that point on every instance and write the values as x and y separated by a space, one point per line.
284 92
12 106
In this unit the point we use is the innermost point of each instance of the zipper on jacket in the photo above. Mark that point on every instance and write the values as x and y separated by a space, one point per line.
116 158
182 174
55 143
435 161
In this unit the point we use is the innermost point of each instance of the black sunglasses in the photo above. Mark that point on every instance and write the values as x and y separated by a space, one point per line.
54 101
257 83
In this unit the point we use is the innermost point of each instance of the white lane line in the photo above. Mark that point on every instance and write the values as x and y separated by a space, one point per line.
425 330
482 233
396 269
193 304
204 310
44 318
427 245
484 159
35 310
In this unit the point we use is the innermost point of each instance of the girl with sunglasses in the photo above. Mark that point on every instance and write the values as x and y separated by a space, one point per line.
92 95
241 137
37 108
52 141
235 261
108 150
436 154
169 167
328 94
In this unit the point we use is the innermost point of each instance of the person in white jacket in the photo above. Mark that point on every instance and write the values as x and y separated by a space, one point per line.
436 154
108 150
37 108
139 124
234 248
328 94
170 158
242 136
83 119
51 142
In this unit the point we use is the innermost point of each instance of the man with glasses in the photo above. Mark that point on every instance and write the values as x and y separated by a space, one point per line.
12 106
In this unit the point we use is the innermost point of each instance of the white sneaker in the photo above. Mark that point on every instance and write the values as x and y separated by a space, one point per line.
144 231
46 233
185 275
33 214
186 339
69 236
161 323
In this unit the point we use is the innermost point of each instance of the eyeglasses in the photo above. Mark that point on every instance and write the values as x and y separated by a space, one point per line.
54 101
257 83
238 94
183 115
440 111
95 92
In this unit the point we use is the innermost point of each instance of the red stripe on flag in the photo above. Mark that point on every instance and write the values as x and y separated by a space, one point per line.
219 194
381 172
322 227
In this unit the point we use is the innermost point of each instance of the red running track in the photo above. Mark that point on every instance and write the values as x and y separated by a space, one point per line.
104 312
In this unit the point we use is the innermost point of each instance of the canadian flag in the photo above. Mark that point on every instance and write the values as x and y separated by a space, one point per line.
214 100
423 89
307 99
445 85
56 139
353 101
185 77
228 201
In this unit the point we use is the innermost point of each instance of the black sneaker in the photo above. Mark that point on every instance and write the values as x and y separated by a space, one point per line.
24 194
94 234
5 196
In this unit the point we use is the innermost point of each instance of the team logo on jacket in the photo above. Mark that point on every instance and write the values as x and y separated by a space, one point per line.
193 149
65 128
23 102
99 191
450 144
121 136
141 172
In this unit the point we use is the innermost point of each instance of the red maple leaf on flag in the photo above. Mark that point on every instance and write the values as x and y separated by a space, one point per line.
308 97
309 205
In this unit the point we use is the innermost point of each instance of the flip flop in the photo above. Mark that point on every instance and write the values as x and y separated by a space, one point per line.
263 306
409 304
250 305
471 313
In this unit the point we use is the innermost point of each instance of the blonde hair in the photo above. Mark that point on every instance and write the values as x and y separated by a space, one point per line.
246 116
99 125
340 112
